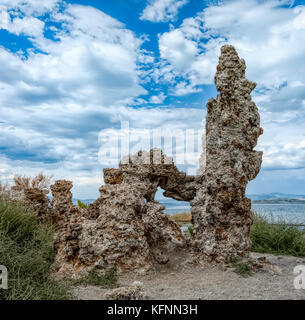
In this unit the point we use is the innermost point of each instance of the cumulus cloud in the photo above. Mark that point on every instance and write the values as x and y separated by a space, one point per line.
57 95
91 61
268 35
28 25
29 7
157 99
20 17
162 10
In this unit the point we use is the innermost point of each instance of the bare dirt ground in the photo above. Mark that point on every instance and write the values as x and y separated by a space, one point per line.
212 283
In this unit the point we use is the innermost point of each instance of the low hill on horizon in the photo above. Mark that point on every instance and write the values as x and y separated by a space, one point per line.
276 197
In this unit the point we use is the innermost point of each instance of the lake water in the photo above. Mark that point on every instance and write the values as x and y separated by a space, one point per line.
292 213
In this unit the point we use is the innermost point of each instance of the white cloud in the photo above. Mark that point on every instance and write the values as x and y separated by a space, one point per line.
269 37
184 88
299 21
158 99
17 23
53 104
177 49
94 61
162 10
29 7
283 142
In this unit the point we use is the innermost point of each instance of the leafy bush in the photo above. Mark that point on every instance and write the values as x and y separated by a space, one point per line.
243 268
26 249
81 205
277 237
190 230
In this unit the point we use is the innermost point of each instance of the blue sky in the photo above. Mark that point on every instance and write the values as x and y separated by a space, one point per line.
73 69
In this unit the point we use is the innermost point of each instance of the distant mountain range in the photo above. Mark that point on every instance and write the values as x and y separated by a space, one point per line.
276 195
280 201
257 198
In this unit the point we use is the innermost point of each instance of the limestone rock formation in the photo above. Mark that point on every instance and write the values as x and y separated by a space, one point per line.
62 197
33 193
66 243
158 170
221 211
125 227
37 201
146 171
69 220
162 234
113 176
115 234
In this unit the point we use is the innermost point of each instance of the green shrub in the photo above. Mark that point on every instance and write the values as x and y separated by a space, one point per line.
107 280
191 230
243 268
81 205
277 237
26 249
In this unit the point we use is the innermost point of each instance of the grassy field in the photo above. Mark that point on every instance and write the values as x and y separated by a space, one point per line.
277 237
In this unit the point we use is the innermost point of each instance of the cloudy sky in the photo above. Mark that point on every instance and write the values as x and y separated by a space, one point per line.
72 71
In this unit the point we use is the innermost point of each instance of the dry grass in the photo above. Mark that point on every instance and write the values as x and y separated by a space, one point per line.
40 182
184 217
22 184
4 190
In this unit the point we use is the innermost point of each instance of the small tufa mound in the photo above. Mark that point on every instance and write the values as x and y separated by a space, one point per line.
33 193
62 196
133 292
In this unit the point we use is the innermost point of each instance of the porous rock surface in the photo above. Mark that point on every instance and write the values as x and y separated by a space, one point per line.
33 198
157 170
132 292
125 227
221 211
38 202
69 220
61 196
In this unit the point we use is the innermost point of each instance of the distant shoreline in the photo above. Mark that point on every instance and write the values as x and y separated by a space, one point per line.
184 206
279 201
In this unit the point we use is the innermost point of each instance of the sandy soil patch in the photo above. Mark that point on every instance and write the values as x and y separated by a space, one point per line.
209 283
